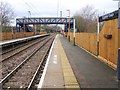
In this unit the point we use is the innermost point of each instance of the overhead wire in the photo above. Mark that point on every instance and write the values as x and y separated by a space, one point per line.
38 11
29 5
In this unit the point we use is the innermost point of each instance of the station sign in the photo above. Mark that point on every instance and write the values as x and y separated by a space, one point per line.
109 16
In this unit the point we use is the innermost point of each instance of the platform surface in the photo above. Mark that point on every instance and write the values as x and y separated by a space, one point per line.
19 39
90 72
54 76
87 71
58 72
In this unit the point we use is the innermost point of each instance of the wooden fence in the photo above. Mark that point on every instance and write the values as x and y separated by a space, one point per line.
107 48
87 41
119 39
10 35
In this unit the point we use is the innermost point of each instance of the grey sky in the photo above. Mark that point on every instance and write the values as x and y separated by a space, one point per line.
46 8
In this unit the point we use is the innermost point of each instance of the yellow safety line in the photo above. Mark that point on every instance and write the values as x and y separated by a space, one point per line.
69 77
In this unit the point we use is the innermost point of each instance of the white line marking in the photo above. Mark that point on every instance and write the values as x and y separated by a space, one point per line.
55 59
55 42
55 62
45 69
55 55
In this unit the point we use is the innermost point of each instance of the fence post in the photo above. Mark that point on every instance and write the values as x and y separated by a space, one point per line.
74 33
118 65
12 32
98 33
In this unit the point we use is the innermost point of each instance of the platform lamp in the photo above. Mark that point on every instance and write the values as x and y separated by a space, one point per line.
61 19
29 13
74 33
24 25
69 25
118 65
98 32
1 21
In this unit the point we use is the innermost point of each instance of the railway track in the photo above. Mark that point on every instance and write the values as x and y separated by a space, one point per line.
12 61
18 45
11 52
14 47
24 75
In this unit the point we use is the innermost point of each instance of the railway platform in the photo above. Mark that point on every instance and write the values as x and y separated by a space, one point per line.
58 72
70 66
19 40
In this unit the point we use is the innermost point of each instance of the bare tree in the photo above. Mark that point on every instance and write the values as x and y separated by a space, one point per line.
86 19
80 23
6 14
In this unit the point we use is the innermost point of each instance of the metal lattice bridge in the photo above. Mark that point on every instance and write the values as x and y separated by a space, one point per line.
24 22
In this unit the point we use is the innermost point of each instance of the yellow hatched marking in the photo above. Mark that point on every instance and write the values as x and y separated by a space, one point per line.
69 77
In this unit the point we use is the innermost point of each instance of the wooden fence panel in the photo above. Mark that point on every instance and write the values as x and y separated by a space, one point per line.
108 48
77 40
19 34
119 39
6 35
71 37
87 41
0 36
10 35
93 43
27 34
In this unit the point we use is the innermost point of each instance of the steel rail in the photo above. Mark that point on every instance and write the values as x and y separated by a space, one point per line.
20 65
39 67
21 50
7 51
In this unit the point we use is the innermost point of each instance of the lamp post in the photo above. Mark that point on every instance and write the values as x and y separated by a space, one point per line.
61 20
24 24
118 65
29 13
1 22
69 26
61 14
74 33
118 71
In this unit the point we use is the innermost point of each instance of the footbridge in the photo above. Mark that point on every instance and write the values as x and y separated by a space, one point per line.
24 22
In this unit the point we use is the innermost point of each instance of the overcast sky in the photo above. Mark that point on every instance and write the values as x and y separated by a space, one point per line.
49 8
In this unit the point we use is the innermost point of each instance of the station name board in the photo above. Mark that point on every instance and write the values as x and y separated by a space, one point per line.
109 16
